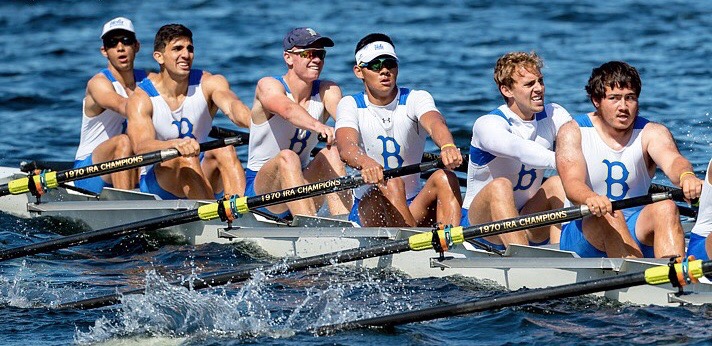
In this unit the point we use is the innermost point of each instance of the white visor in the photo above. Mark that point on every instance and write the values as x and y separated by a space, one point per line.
374 50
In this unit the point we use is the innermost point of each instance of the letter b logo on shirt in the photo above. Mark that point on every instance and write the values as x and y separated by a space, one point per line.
185 128
526 178
301 140
617 175
394 152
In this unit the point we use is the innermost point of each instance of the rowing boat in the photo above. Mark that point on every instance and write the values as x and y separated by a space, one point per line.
518 267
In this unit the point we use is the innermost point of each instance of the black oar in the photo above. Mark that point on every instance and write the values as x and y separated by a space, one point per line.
50 180
652 276
416 242
227 209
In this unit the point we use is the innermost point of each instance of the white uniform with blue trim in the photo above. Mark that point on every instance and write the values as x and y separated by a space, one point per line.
277 133
504 145
191 119
390 134
616 174
703 225
98 129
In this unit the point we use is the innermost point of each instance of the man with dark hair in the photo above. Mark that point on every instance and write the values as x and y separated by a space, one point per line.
611 154
511 147
288 114
174 109
385 127
103 135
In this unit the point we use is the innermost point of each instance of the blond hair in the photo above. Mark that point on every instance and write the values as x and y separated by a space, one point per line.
510 62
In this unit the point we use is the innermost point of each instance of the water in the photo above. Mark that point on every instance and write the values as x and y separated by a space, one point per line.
51 48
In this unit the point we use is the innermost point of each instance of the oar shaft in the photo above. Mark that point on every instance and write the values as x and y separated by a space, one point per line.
102 234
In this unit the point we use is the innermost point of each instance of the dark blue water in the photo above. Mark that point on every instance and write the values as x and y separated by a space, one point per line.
49 49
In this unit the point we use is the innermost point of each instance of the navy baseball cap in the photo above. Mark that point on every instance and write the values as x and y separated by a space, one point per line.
302 37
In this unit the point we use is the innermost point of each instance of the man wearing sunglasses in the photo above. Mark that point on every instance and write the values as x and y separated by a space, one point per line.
288 115
103 130
511 147
385 127
174 108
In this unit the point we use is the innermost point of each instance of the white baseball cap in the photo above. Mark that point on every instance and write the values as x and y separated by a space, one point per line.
374 50
118 23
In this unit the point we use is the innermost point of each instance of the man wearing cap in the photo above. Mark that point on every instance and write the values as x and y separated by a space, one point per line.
511 147
103 130
174 109
385 127
288 115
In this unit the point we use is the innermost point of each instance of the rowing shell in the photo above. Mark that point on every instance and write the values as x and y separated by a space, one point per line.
521 266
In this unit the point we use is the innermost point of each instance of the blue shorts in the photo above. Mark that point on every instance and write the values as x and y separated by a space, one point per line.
353 215
250 191
572 239
465 222
696 247
93 184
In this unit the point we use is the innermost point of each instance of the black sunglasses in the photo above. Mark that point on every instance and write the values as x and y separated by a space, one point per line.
379 63
114 41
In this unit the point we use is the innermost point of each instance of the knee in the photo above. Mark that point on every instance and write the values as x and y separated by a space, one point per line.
224 155
123 145
667 208
288 159
444 179
501 187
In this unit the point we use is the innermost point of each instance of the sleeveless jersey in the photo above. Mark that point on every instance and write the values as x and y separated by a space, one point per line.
107 124
703 226
277 133
504 145
617 174
191 119
391 134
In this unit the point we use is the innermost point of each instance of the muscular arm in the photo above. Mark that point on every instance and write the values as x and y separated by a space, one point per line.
332 96
272 96
100 95
434 123
662 149
348 140
217 89
496 138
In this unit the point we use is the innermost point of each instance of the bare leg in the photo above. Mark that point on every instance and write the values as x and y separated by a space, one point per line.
327 165
224 171
115 148
184 178
610 234
496 202
659 226
282 172
549 196
386 206
439 201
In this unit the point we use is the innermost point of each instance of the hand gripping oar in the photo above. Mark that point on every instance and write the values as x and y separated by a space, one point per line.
443 238
652 276
227 209
49 180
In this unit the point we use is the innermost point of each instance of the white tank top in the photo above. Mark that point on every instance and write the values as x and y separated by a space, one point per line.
390 134
277 133
107 124
617 174
703 226
504 145
192 119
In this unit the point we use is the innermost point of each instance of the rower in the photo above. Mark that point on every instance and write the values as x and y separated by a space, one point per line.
288 115
611 154
700 244
174 109
511 147
386 126
103 130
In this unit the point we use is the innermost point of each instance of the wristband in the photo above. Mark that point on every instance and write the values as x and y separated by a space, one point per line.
686 173
447 145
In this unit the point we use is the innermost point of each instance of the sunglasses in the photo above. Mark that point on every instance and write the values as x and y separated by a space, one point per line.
379 63
309 53
114 41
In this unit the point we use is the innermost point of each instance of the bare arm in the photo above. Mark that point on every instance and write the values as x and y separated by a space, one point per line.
142 133
434 123
662 149
571 166
217 89
347 141
272 95
100 95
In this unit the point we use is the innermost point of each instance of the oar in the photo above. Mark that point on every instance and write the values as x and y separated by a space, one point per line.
50 180
227 209
652 276
416 242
